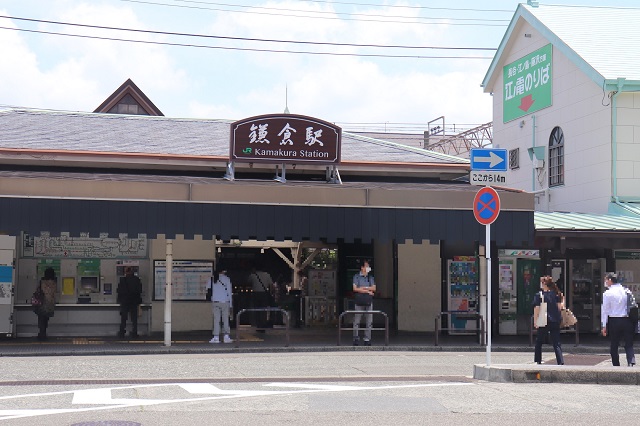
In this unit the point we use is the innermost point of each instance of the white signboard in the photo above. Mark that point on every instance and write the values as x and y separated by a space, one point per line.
487 178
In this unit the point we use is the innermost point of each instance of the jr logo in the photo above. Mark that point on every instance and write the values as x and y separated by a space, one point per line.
247 150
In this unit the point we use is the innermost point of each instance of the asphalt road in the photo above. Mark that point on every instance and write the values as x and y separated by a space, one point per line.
410 388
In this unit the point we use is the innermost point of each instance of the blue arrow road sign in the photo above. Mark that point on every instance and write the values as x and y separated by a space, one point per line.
489 159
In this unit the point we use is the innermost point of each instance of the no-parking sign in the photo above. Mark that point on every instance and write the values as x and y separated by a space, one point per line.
486 205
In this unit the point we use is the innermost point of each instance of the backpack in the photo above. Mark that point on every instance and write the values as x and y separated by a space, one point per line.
632 307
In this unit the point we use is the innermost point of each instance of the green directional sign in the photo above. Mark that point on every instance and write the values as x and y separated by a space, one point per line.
527 84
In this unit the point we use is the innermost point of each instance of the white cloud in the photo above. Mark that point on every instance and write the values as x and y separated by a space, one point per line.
357 89
78 74
81 73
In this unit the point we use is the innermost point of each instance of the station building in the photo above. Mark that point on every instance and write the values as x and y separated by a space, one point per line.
91 193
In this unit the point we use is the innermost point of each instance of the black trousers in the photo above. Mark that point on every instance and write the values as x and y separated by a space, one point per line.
126 311
259 299
617 329
43 323
553 330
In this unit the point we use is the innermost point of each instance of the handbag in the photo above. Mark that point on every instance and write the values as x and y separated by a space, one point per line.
363 299
568 319
37 299
541 321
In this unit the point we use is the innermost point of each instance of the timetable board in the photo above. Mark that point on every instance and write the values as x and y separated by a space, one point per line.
189 279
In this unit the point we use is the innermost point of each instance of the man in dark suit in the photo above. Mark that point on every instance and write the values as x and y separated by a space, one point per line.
130 298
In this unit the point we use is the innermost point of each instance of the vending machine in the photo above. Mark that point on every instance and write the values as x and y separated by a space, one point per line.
507 297
462 293
7 283
585 292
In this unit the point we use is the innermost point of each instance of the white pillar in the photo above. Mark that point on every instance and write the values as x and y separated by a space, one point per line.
168 295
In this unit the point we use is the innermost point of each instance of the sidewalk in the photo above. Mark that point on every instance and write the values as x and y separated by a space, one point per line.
274 340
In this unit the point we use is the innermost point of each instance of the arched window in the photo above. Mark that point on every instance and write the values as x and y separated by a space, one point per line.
556 157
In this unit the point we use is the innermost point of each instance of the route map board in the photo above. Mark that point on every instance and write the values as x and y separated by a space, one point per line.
189 279
65 246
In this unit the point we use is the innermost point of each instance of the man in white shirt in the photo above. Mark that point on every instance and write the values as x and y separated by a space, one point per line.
615 320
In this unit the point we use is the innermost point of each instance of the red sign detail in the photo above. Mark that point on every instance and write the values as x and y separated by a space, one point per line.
486 205
526 102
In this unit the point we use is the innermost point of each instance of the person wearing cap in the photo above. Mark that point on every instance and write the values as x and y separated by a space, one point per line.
615 320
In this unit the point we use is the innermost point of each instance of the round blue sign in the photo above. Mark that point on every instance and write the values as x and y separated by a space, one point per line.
486 205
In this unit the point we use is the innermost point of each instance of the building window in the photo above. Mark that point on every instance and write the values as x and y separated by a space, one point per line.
514 158
556 157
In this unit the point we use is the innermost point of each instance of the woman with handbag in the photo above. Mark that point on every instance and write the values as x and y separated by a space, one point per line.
546 318
49 287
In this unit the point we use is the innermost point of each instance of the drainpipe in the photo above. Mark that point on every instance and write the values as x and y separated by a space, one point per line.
533 144
614 140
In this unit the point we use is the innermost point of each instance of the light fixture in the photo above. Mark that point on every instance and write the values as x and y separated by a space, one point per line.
536 155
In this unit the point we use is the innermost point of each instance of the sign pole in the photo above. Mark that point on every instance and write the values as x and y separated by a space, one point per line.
488 318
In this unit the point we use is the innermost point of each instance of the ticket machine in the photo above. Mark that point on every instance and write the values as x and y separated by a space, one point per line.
585 292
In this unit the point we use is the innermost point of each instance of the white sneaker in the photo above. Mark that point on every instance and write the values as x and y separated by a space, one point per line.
227 339
215 339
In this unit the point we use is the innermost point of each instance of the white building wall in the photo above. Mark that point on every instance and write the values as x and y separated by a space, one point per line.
583 112
628 146
419 287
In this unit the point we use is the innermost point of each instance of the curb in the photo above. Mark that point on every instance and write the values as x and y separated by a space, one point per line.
557 374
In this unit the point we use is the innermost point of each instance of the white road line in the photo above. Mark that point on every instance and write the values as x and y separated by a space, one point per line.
103 395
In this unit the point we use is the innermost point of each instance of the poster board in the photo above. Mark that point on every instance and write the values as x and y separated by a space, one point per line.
322 283
189 279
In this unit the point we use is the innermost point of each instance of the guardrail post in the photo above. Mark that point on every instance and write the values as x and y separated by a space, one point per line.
386 324
271 309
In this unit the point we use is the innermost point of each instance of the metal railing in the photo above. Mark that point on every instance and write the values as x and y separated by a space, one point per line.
285 315
479 330
573 329
386 324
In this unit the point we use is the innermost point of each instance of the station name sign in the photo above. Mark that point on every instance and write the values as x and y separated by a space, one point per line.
285 138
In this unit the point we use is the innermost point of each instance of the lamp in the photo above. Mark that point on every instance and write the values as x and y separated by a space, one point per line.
536 155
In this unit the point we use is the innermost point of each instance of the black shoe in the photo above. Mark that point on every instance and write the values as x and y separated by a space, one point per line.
133 335
356 341
632 364
121 334
367 342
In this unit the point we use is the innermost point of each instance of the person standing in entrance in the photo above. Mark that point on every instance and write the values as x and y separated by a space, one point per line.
261 284
615 320
49 288
129 298
555 303
364 287
222 303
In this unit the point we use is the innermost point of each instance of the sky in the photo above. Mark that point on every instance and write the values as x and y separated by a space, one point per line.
233 78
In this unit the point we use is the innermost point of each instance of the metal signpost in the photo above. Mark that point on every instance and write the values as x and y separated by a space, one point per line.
486 208
488 166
